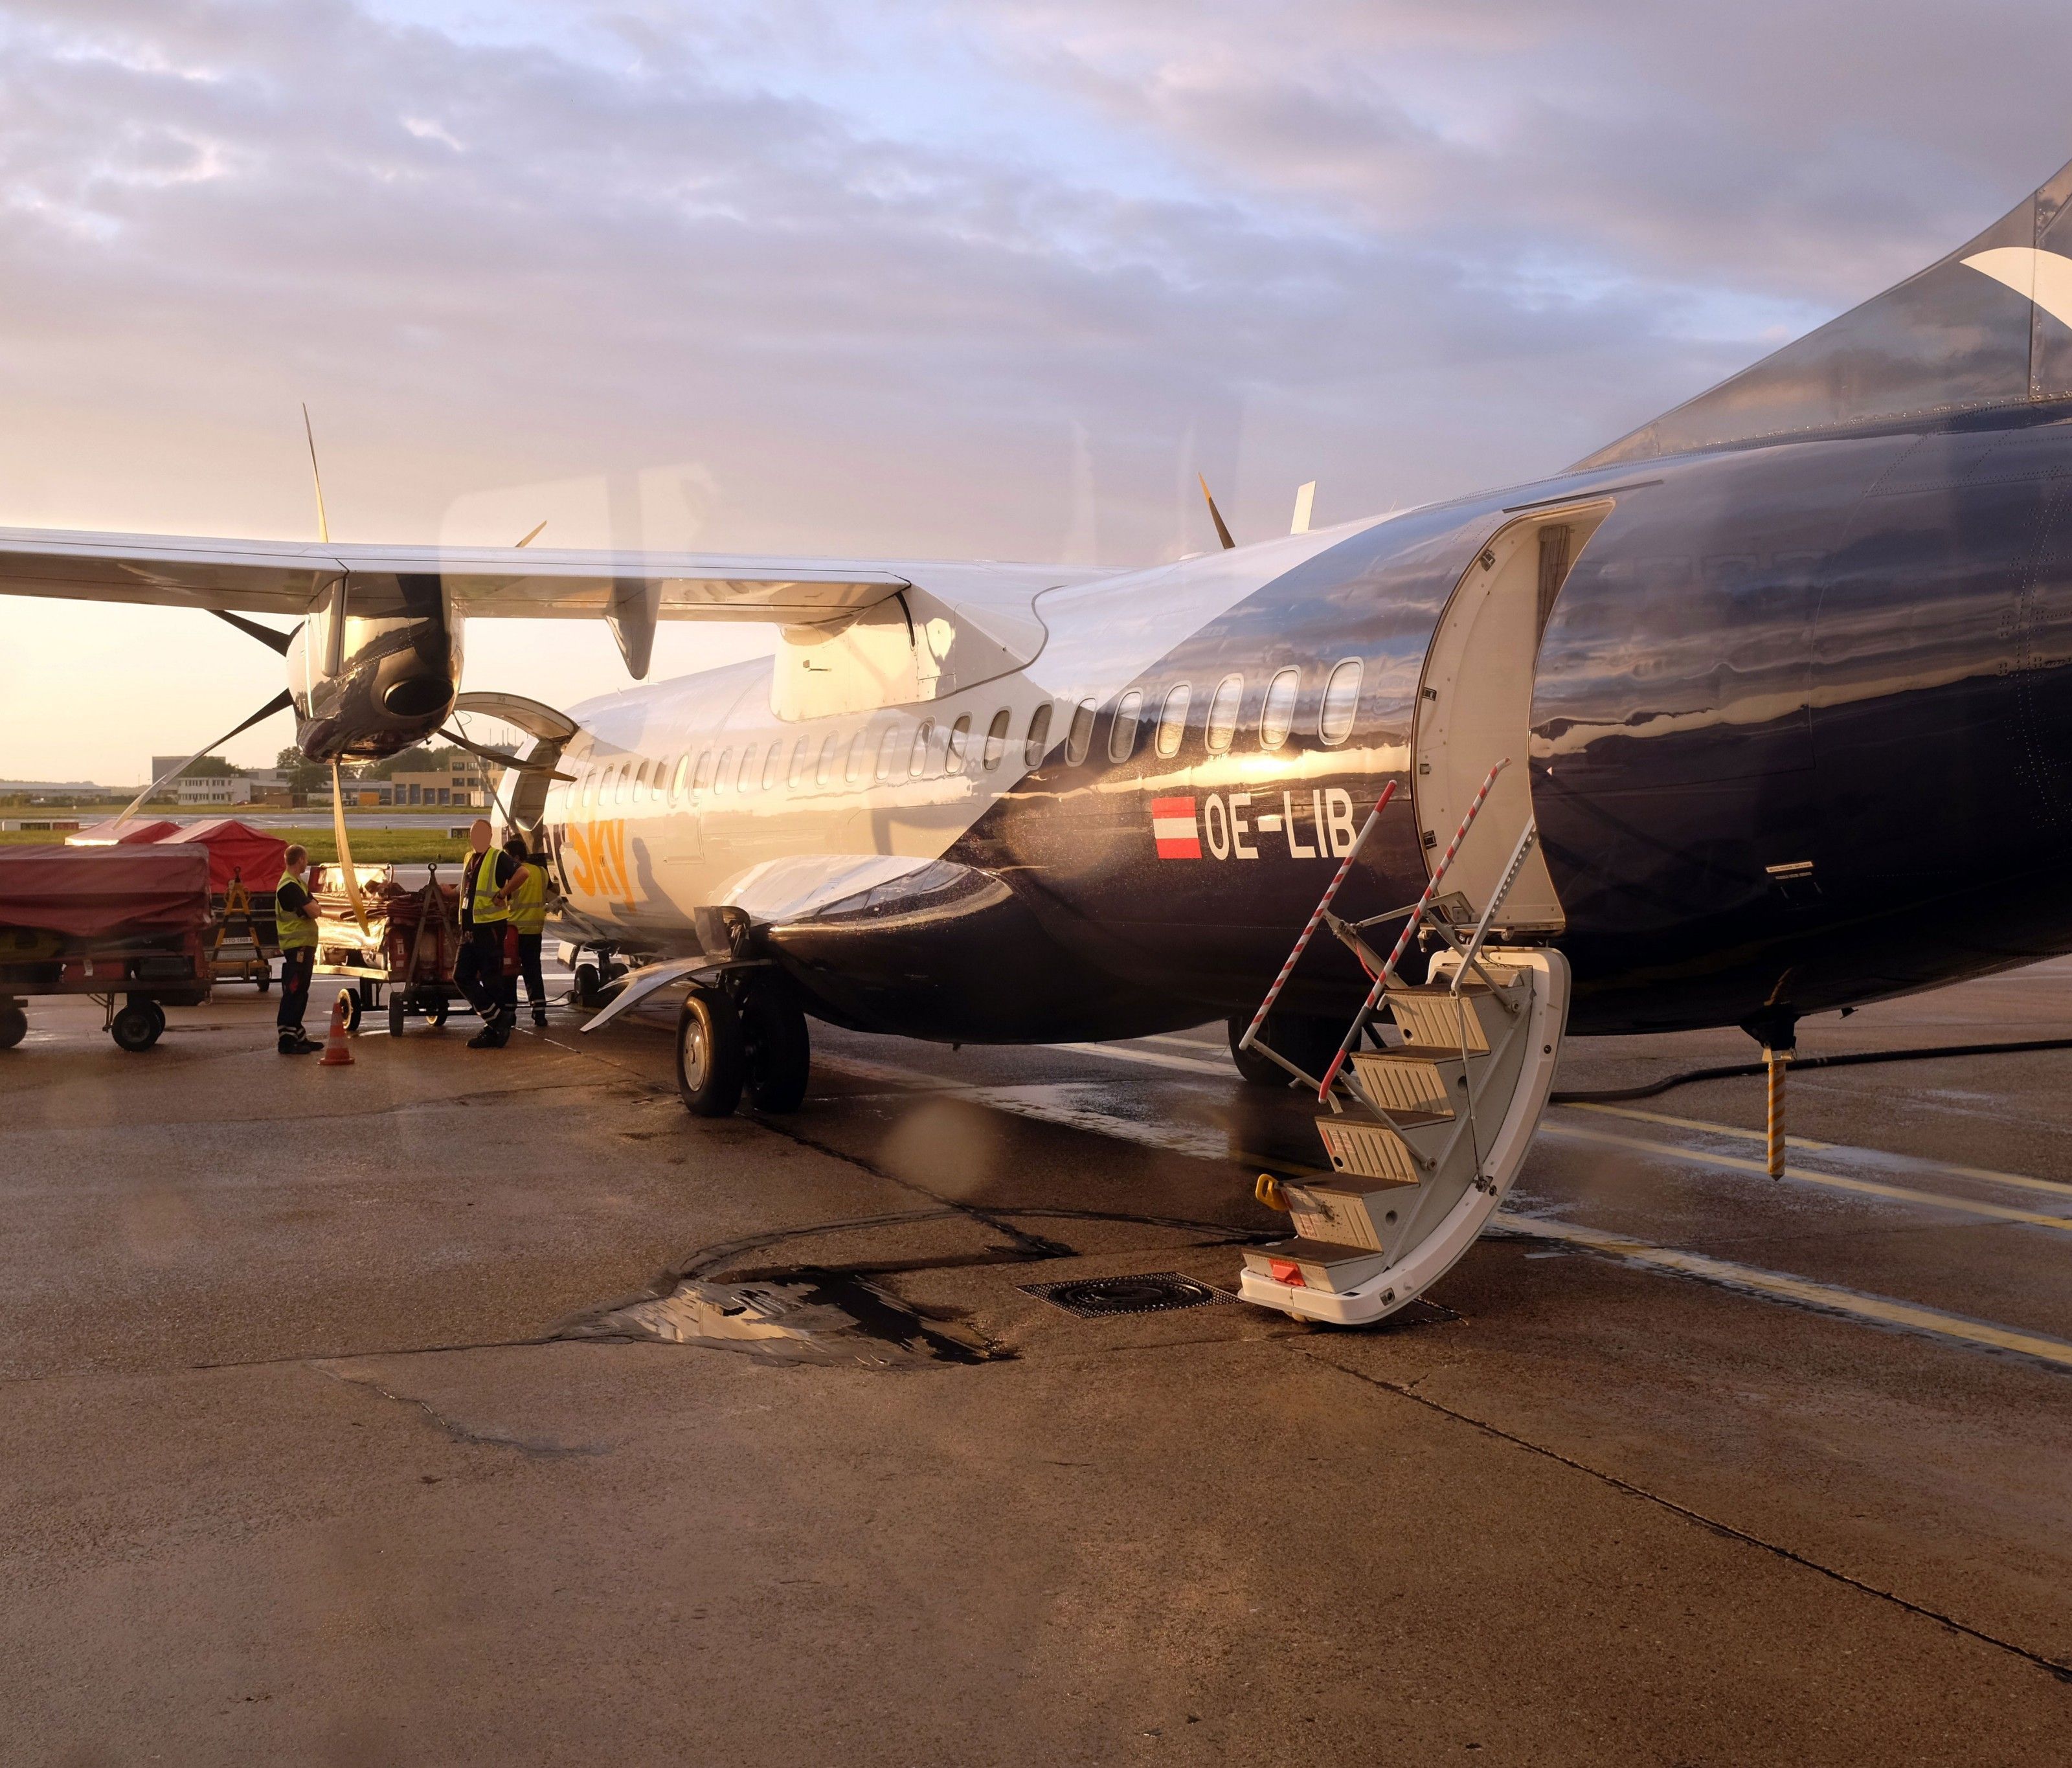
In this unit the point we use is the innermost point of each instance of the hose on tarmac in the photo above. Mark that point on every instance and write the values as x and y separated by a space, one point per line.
1738 1071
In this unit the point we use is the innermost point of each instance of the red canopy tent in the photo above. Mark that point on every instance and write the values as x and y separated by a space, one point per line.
237 847
117 833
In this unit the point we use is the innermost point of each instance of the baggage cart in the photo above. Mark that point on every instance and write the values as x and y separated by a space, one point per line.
406 954
125 926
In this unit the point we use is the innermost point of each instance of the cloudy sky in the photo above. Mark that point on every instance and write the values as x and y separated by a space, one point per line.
992 279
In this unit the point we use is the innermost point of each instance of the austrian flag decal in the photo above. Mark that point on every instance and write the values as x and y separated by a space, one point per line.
1173 828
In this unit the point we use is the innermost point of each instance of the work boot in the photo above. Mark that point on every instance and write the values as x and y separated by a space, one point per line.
487 1039
298 1045
540 1017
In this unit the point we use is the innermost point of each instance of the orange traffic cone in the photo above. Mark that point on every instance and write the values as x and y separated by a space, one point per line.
337 1052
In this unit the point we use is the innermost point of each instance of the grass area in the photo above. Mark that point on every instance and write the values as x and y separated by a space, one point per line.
370 846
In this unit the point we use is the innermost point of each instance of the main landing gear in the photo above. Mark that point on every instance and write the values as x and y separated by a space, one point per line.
741 1035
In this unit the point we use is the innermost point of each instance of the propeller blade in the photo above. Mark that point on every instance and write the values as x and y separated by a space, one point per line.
266 635
532 537
280 702
1215 515
344 847
323 521
500 758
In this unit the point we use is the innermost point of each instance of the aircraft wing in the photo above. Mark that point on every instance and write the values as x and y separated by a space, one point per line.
290 577
917 612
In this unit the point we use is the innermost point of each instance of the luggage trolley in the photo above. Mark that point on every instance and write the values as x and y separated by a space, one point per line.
408 951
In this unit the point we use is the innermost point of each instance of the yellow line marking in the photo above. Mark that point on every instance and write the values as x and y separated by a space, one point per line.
1797 1289
1999 1212
1985 1174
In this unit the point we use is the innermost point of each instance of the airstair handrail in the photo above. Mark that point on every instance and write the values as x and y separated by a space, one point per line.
1316 919
1409 928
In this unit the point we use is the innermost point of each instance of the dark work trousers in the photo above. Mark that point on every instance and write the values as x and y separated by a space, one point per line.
295 968
479 969
529 967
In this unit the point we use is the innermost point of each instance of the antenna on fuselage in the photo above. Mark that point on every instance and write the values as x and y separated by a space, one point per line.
1215 515
1305 498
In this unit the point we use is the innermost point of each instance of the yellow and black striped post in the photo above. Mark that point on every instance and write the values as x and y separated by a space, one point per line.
1774 1140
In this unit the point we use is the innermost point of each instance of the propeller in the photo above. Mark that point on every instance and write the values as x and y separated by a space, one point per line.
500 758
280 702
267 635
1215 515
532 537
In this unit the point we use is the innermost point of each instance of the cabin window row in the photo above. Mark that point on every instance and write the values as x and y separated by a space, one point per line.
932 750
1128 715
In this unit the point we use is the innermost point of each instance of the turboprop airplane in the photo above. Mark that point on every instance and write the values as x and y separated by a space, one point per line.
1764 709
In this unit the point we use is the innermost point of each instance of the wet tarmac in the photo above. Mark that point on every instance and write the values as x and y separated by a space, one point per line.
464 1406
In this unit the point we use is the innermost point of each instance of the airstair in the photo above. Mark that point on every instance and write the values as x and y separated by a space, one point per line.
1431 1102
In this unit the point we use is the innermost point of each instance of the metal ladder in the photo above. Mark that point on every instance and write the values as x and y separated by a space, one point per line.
1431 1108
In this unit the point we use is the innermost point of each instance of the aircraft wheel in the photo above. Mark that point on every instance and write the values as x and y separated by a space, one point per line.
587 983
778 1048
13 1027
710 1053
137 1027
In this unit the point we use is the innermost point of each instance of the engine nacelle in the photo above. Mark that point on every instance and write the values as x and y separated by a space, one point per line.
375 669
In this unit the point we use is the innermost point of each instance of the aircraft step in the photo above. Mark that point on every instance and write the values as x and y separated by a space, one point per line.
1399 1081
1396 1147
1371 1218
1318 1267
1432 1018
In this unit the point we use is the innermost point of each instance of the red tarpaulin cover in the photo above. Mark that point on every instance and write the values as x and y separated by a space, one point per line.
236 847
92 891
109 834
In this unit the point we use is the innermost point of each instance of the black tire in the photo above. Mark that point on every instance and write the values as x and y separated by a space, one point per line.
711 1068
777 1051
137 1027
265 980
354 1008
13 1027
435 1011
398 1013
587 983
1308 1042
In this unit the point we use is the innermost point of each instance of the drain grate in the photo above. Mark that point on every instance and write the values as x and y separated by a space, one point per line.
1151 1292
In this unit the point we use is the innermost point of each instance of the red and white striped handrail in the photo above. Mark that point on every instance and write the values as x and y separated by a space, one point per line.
1346 866
1409 928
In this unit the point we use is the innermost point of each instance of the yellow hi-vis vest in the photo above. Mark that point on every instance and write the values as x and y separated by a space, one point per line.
484 911
528 895
294 931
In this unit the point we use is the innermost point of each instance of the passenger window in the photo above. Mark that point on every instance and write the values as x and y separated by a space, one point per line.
1173 720
1080 739
859 758
703 777
823 769
723 773
888 752
996 738
801 755
1222 725
683 769
620 775
1334 720
1039 737
1276 718
744 780
917 765
1122 727
639 783
953 761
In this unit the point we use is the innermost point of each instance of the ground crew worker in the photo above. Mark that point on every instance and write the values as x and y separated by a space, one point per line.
527 895
295 926
485 919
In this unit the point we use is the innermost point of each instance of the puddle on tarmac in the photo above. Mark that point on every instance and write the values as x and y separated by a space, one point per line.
812 1316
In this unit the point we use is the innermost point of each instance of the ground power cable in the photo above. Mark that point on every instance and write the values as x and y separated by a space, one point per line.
1742 1071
